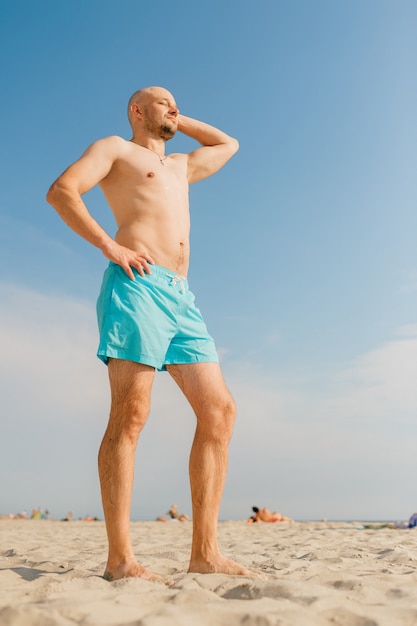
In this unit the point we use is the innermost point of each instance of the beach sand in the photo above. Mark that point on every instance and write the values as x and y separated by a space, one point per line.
313 573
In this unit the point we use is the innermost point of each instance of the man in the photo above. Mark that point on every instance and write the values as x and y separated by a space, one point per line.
146 313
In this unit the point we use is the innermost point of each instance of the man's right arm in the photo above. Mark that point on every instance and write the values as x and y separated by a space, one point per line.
65 196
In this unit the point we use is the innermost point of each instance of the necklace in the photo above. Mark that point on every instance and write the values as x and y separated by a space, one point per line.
161 159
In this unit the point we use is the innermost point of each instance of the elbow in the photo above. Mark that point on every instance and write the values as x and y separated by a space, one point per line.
52 193
235 145
55 192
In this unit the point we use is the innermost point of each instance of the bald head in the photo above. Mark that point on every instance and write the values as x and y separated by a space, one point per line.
145 95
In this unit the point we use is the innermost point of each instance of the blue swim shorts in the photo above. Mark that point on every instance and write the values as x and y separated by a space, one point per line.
151 320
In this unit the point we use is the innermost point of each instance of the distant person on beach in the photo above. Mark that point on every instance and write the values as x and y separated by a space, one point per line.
412 523
22 515
265 515
173 515
147 317
39 514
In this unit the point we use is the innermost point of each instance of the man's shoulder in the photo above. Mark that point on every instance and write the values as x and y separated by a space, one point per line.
117 138
112 146
113 140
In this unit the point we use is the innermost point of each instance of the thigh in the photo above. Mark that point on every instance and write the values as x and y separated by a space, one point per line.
134 317
131 386
203 385
192 342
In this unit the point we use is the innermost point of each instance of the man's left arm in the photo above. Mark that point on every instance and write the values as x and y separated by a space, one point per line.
217 148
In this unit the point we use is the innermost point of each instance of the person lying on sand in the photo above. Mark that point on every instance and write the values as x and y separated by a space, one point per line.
265 515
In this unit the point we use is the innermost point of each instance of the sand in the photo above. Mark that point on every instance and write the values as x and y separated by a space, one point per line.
313 573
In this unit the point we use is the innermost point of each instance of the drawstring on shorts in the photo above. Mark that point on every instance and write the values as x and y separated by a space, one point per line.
177 280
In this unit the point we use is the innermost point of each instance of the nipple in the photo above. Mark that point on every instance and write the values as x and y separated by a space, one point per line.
150 174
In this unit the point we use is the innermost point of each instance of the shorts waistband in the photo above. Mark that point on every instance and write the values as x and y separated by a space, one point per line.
161 272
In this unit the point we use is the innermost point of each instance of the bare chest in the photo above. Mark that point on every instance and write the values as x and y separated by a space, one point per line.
148 177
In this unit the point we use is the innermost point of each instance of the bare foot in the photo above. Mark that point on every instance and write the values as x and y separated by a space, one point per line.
221 565
131 570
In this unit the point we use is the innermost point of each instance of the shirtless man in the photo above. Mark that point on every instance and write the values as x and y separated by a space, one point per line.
147 316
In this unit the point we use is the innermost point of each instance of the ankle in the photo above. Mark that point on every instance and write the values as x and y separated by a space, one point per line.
208 552
120 559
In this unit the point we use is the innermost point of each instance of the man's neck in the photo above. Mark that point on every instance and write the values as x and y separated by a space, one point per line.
155 145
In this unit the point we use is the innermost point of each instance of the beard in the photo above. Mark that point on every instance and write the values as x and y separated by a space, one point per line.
167 132
164 131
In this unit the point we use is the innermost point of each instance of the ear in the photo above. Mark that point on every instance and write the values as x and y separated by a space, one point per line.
135 110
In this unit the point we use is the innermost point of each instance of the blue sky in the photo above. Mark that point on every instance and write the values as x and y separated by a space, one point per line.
303 249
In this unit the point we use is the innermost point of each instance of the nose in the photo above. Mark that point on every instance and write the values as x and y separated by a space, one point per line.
174 111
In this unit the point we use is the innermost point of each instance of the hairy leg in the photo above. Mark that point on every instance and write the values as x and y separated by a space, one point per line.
205 389
130 385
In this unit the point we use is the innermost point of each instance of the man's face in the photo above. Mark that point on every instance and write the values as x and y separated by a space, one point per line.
160 114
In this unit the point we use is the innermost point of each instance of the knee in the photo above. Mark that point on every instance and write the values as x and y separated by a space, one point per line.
135 424
230 411
218 422
230 417
128 420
